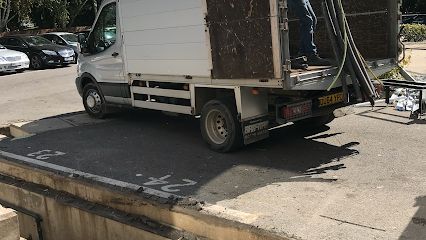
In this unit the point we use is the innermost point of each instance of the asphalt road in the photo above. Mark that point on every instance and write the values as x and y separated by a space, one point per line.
360 178
33 95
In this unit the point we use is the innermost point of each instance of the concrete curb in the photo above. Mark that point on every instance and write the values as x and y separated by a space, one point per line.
28 129
9 225
196 218
18 132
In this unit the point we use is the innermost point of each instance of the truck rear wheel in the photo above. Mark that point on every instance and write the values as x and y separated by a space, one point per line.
220 127
93 101
316 121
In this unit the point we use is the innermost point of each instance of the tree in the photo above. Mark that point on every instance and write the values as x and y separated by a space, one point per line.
75 9
4 13
16 9
83 12
47 13
414 6
50 13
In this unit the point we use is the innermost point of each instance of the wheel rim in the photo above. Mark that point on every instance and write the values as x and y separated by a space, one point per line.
216 126
35 62
94 101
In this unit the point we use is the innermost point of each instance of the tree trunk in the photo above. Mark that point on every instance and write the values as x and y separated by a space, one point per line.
75 15
4 15
95 7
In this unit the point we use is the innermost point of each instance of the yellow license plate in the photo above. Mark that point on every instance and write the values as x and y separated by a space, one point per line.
330 99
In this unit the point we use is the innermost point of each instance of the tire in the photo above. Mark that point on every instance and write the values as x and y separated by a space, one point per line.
94 101
316 121
20 70
36 63
220 127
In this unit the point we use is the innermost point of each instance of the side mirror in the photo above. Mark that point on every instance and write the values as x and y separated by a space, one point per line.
84 48
83 43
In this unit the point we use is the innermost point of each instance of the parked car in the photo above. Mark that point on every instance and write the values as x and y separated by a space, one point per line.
39 50
64 39
420 19
11 60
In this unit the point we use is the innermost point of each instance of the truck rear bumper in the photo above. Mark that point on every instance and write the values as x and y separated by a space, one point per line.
308 108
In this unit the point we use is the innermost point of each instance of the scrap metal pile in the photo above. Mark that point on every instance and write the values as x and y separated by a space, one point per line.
406 99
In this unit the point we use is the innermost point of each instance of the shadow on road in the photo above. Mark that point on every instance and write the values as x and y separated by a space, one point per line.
383 114
416 229
158 151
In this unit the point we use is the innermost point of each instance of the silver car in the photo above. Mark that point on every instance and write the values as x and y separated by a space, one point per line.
64 39
11 60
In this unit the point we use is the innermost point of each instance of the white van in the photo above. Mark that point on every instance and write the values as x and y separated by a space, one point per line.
228 62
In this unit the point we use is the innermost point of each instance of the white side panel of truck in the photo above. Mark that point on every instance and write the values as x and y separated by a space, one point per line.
165 37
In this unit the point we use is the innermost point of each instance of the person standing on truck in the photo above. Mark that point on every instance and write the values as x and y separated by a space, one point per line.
308 22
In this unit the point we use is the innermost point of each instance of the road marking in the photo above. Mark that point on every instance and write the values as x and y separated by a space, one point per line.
170 187
93 177
174 187
45 154
157 181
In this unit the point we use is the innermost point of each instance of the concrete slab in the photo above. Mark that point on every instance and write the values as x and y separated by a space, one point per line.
42 125
38 94
417 65
9 225
28 129
18 132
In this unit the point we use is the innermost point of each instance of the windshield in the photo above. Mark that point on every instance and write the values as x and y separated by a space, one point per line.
70 38
36 40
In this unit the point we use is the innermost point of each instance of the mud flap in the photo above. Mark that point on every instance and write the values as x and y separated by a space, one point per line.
255 129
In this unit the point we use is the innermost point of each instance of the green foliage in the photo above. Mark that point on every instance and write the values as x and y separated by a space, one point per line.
413 6
414 32
394 73
54 11
49 13
22 8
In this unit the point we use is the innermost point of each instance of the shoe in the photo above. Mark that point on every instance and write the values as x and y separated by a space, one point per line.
299 63
315 60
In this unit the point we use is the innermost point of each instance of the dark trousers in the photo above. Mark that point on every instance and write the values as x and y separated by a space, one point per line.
308 22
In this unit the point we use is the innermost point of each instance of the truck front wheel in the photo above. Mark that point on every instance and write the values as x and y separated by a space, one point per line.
93 101
220 127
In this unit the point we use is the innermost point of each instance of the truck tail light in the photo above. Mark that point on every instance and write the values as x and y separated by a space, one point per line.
296 111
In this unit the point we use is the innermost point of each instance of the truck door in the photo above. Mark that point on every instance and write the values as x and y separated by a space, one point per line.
104 58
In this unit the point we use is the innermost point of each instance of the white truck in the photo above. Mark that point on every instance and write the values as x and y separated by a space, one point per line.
225 61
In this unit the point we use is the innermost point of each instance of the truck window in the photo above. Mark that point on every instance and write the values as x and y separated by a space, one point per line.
103 35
